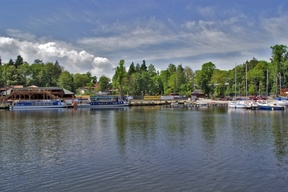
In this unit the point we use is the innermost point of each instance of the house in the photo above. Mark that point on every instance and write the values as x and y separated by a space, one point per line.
196 94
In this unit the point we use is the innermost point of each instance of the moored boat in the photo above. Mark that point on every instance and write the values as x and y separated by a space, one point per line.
37 104
272 106
107 101
238 105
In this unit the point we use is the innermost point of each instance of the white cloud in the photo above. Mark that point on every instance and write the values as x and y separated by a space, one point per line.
71 59
14 33
276 27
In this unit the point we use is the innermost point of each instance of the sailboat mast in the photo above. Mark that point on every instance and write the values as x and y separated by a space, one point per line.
235 82
267 84
246 80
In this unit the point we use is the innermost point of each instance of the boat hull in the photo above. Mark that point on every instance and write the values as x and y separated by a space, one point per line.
33 105
238 105
271 107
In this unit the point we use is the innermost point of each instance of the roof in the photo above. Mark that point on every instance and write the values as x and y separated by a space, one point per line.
197 92
8 92
67 92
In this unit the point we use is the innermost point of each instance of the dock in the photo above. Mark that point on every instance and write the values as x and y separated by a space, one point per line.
179 103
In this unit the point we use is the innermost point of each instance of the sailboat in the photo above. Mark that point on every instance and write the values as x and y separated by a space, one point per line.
239 104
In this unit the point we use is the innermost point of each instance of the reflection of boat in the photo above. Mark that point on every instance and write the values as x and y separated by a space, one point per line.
264 105
176 104
37 104
109 108
107 101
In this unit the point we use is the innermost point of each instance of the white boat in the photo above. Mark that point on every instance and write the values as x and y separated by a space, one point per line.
107 101
238 105
282 102
37 104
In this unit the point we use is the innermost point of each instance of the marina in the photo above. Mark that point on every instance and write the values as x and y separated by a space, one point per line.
114 102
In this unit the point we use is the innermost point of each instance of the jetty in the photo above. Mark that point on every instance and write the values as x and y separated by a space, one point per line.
179 103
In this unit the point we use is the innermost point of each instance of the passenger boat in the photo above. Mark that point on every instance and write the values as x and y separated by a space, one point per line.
107 101
37 104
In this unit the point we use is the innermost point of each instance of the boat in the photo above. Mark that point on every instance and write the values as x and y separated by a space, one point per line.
238 105
37 104
282 101
107 101
272 106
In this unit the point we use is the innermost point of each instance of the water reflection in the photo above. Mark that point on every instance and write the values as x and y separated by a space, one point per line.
144 148
208 126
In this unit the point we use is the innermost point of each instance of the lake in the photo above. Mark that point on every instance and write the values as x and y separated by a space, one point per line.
144 149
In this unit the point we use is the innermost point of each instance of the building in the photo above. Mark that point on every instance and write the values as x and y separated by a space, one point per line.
35 93
196 94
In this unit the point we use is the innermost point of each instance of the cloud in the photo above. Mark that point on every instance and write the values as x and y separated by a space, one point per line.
275 26
17 34
194 39
71 59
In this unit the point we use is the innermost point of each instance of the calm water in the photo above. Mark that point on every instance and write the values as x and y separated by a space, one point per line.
144 149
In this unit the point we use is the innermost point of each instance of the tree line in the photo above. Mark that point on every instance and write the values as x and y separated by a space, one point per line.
254 77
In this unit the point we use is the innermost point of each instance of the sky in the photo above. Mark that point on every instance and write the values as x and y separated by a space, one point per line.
94 35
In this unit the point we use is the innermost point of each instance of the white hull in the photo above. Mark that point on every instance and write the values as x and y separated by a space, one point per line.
238 105
32 105
36 107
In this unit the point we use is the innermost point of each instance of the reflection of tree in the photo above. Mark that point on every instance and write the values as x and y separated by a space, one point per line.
137 125
280 140
121 127
208 125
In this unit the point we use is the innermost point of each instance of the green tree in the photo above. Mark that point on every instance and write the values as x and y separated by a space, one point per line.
277 57
37 76
23 72
151 70
180 86
143 66
171 68
219 80
204 78
132 69
104 83
190 80
81 80
119 77
52 73
134 86
164 78
11 62
19 61
8 74
66 81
